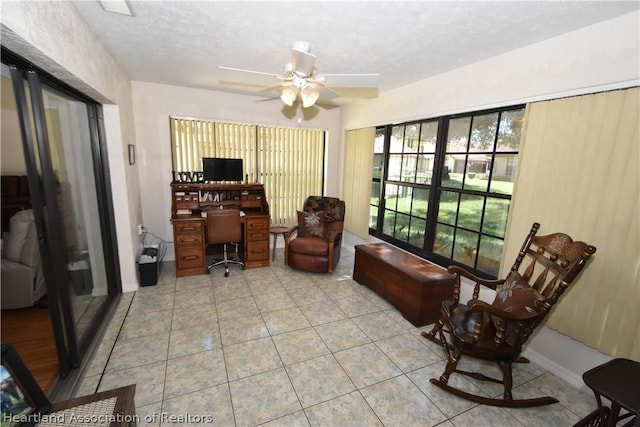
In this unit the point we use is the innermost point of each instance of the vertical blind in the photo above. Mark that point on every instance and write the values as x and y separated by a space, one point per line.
291 160
579 174
358 168
237 141
191 140
288 161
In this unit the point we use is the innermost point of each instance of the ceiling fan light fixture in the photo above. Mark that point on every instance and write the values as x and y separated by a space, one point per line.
289 94
300 78
309 95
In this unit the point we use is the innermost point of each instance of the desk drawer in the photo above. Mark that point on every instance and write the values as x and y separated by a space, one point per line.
257 235
257 251
251 204
190 257
186 202
257 229
188 239
187 227
257 223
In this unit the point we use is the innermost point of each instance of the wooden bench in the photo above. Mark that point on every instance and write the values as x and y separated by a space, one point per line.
414 286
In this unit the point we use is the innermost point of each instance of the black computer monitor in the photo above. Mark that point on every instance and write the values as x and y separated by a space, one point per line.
233 170
213 168
221 169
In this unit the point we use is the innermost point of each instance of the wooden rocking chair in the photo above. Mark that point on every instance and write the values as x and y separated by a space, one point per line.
497 332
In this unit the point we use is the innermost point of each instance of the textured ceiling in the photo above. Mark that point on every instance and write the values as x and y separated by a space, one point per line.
183 42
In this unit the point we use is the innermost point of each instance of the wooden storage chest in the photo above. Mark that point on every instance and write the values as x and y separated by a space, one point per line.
414 286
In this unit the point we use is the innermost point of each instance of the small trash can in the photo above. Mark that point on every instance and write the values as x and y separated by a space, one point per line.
150 259
80 274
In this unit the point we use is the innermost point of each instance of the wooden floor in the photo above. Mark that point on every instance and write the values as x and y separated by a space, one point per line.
31 333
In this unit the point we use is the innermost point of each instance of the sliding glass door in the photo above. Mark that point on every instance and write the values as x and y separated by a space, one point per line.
64 157
75 195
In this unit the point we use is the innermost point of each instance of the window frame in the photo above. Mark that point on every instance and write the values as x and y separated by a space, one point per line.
436 187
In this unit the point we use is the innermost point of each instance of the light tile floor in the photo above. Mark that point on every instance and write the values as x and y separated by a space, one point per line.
279 347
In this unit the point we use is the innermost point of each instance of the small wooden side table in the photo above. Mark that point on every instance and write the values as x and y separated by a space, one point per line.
618 380
108 408
275 231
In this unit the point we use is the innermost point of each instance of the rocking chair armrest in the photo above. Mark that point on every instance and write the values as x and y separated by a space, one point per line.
454 269
481 306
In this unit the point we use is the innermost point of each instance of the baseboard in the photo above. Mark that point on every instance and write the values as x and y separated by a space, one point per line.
556 369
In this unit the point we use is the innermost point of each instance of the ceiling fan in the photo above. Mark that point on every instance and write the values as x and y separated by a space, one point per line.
301 79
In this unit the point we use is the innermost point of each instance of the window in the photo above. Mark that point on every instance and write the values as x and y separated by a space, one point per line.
442 187
378 171
288 161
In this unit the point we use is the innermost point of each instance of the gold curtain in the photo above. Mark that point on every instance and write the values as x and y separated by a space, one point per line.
291 161
358 167
580 174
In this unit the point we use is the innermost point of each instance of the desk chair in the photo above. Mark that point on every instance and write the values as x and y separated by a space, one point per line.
224 226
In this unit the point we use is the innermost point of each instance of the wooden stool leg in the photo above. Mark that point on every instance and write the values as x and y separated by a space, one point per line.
275 238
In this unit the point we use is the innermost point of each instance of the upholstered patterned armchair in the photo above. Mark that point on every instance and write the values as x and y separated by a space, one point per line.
315 243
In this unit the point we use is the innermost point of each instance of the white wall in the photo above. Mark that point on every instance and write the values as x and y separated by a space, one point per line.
53 36
154 103
603 56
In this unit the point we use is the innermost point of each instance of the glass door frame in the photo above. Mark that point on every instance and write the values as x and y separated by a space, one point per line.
70 351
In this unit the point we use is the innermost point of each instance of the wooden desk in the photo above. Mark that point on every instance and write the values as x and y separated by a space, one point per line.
90 410
188 200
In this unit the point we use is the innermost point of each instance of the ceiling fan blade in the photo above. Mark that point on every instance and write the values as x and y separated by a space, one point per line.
362 92
302 62
355 80
273 98
276 75
273 89
328 94
240 85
